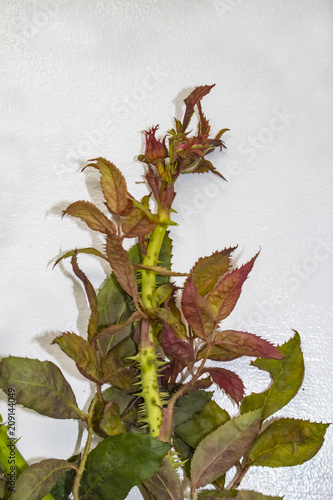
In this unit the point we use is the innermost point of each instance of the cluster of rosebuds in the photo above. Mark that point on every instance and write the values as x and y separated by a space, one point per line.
185 154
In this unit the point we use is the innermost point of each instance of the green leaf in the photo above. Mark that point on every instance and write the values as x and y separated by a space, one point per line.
287 376
201 424
39 385
237 495
207 271
223 298
91 215
161 293
189 405
117 369
38 479
165 484
120 462
287 442
164 259
231 344
222 448
122 266
196 310
112 394
82 353
64 485
113 304
113 185
111 422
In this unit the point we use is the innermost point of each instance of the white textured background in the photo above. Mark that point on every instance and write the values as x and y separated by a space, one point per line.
81 79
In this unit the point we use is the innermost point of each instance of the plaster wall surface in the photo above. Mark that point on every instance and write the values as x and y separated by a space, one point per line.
81 79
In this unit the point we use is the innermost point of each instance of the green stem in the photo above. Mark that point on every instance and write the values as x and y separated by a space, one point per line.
6 459
147 350
82 465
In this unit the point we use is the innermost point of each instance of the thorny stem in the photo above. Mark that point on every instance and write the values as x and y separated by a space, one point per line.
185 388
147 351
82 465
20 462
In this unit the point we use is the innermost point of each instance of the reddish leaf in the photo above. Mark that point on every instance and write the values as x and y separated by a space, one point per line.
112 329
230 344
196 310
207 166
223 448
153 182
159 270
228 381
165 484
208 270
171 371
137 224
89 250
113 185
122 266
91 295
129 206
174 347
168 197
223 298
111 422
193 99
204 127
91 215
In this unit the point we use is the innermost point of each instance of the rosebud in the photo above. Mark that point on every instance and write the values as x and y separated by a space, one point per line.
155 150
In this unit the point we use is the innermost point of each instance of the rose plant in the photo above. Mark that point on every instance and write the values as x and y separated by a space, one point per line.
154 350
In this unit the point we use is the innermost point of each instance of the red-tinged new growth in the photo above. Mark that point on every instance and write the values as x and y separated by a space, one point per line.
154 343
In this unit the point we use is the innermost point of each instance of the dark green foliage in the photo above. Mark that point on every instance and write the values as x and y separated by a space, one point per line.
120 462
